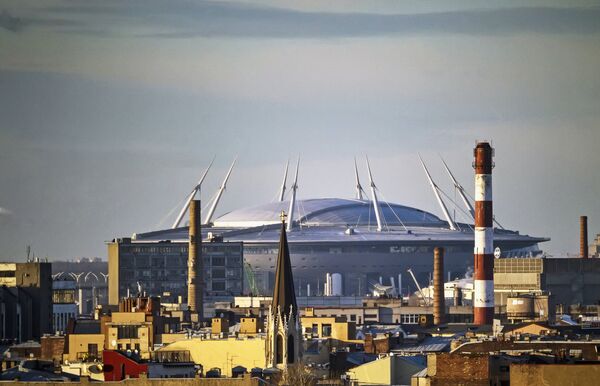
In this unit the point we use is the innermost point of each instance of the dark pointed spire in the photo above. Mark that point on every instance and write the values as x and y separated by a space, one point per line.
283 293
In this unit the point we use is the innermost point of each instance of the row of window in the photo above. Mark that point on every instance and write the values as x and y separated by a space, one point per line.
183 248
164 261
316 249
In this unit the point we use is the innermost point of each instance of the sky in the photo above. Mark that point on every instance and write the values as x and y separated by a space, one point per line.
110 110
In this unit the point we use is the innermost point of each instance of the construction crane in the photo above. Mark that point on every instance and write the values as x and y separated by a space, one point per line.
426 300
250 277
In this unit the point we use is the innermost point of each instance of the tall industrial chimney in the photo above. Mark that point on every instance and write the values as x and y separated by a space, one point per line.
195 269
583 237
438 286
483 300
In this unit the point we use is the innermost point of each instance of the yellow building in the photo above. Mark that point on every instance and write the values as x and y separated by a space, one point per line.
130 331
323 327
223 353
390 370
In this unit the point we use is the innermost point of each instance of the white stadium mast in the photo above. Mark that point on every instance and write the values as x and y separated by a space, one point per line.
293 199
463 196
461 190
435 188
213 207
282 191
359 188
191 196
374 198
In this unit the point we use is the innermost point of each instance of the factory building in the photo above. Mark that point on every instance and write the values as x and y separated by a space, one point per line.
566 280
161 269
25 300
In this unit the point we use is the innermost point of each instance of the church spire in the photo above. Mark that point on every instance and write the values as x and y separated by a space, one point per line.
284 295
284 333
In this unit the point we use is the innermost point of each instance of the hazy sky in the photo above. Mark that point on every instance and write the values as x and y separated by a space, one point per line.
110 110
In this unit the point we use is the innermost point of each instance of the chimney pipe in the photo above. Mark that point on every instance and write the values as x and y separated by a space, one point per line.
195 269
457 296
583 237
483 291
438 286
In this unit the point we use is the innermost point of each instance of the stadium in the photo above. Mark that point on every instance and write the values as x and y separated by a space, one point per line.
365 241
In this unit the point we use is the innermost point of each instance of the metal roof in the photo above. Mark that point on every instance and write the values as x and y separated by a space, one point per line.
326 211
328 220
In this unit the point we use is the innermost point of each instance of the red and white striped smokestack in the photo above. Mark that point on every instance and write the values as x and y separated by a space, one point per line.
483 297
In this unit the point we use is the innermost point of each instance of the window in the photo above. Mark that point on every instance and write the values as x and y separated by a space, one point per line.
127 332
315 329
218 273
326 330
218 286
218 261
93 349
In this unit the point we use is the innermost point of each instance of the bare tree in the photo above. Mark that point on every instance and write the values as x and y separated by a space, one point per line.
297 374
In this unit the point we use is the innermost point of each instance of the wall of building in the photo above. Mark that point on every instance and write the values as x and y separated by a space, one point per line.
451 369
53 348
161 268
373 373
77 345
554 374
338 328
567 280
223 353
27 300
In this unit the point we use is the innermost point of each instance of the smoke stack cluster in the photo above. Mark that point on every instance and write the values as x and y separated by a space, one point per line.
438 286
483 300
195 301
583 237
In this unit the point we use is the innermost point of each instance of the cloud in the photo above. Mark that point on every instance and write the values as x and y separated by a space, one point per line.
5 212
182 19
9 22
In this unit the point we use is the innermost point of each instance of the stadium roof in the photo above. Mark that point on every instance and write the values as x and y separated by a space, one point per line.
327 211
329 219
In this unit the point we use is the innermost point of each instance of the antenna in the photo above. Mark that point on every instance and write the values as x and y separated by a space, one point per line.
374 198
213 207
282 190
435 188
191 196
293 199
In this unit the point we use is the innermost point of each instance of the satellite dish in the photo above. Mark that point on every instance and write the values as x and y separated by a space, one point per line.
497 252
